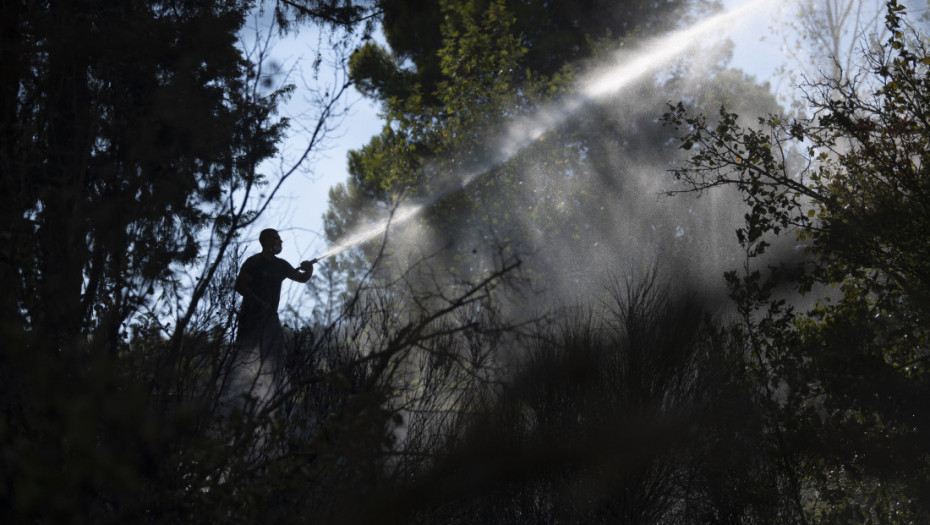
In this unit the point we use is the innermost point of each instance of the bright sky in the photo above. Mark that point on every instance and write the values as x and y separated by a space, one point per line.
297 211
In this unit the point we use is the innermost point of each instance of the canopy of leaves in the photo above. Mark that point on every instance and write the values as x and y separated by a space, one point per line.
552 33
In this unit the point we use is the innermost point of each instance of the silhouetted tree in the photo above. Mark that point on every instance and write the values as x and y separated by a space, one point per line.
132 133
845 380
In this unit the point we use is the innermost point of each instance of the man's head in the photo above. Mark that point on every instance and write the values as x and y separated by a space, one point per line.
270 241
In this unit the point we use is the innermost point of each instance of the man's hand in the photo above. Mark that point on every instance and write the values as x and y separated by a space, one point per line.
303 272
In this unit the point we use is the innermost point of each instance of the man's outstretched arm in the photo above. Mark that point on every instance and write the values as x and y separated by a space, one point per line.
303 273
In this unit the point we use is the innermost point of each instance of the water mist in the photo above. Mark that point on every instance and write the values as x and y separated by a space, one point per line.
626 69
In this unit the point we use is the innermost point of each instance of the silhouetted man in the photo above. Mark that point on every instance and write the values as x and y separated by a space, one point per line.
259 284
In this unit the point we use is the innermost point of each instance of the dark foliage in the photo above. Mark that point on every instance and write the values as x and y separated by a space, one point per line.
847 379
126 127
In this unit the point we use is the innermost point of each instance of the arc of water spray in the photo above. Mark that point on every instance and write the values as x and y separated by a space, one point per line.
626 69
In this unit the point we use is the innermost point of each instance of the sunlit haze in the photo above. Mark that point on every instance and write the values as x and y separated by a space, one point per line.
627 68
